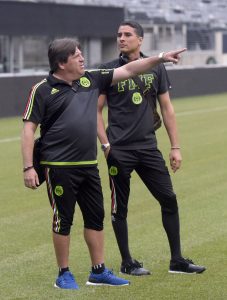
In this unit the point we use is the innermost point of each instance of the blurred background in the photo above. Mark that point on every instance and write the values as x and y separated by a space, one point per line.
27 27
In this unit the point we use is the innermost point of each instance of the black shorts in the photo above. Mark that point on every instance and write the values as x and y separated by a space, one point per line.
68 186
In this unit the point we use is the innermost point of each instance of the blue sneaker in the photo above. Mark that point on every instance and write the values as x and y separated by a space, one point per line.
106 278
66 281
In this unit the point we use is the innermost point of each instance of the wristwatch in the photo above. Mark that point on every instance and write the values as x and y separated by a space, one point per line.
104 147
161 55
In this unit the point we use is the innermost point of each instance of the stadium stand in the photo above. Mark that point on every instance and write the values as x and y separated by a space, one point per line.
208 12
199 25
202 12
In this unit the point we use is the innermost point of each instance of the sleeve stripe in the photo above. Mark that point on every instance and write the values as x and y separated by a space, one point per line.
30 101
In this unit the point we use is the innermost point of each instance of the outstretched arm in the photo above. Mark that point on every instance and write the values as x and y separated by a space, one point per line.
142 65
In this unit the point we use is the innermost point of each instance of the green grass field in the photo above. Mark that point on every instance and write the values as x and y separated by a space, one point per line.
27 263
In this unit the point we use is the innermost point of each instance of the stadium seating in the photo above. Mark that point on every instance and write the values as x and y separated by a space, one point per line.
208 12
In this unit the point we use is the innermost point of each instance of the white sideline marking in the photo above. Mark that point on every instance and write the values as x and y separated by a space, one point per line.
184 113
200 111
8 140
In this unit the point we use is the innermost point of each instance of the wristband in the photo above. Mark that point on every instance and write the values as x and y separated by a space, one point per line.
173 148
27 168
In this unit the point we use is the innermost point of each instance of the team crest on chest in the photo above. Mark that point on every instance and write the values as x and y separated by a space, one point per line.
85 82
137 98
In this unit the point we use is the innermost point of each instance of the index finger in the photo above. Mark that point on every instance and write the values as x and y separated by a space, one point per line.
181 50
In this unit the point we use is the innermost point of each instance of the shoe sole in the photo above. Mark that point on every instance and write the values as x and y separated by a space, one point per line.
107 284
58 287
179 272
138 275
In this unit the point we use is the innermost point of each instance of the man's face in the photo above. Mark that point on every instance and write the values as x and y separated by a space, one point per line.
75 64
127 40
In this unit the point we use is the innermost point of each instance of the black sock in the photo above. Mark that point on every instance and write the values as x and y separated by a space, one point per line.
121 232
62 271
172 227
98 269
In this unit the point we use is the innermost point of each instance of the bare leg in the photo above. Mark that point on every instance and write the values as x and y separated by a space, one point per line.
95 243
61 246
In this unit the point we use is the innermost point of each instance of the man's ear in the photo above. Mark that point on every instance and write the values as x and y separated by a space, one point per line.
61 66
140 40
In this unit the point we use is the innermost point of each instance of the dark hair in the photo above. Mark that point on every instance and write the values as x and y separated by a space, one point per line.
59 50
138 28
